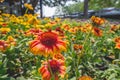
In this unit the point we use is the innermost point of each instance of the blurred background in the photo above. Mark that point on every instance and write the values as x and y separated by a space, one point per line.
64 8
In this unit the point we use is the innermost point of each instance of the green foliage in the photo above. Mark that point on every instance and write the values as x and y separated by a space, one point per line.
93 5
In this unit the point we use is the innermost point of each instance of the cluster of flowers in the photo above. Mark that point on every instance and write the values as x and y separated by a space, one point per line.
49 42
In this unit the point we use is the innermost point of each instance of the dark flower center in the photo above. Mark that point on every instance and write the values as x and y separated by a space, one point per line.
48 39
55 66
97 30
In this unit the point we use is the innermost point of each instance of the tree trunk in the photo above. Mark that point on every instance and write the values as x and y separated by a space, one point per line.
85 8
41 8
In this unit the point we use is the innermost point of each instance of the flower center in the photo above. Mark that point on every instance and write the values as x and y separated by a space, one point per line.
54 66
48 39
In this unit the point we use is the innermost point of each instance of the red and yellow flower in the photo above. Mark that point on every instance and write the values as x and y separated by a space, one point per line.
97 31
33 32
85 78
57 68
117 40
11 40
97 20
59 56
3 45
78 47
47 43
5 30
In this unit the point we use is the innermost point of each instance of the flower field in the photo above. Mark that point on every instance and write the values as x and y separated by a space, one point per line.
56 49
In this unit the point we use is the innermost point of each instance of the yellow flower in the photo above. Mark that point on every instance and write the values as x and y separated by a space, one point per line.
5 30
57 19
29 6
5 14
11 40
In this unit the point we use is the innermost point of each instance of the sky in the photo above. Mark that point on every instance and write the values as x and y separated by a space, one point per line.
48 11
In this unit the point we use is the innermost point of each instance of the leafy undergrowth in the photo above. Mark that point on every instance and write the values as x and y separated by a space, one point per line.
91 48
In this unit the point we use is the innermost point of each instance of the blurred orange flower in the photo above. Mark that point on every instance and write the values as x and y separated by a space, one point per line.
97 20
11 40
57 68
97 31
117 45
33 32
117 40
3 45
59 56
114 27
78 47
85 78
47 43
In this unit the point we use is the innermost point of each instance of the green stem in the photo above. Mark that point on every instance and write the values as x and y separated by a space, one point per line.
81 53
26 11
53 77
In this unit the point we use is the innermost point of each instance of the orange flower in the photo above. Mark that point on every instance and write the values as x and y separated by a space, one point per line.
33 32
117 45
97 31
85 78
97 20
47 43
117 40
57 67
77 47
4 24
59 56
11 40
114 27
3 45
60 31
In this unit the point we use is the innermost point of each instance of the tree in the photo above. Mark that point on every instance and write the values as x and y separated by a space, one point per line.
85 8
69 9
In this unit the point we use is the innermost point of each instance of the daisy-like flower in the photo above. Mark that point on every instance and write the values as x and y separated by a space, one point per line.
29 6
47 44
3 45
85 78
97 31
59 56
5 30
57 68
97 20
11 40
117 45
78 47
33 32
117 40
114 27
